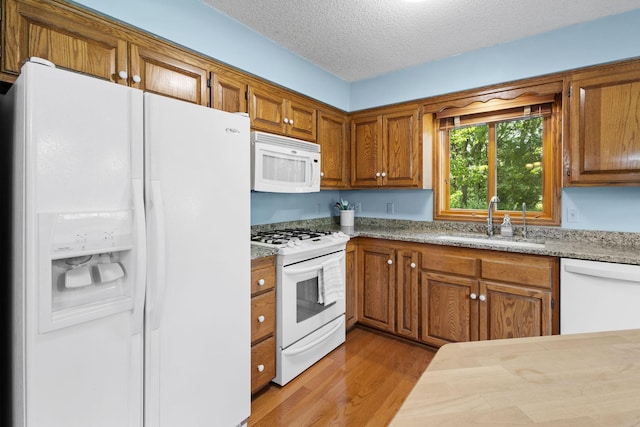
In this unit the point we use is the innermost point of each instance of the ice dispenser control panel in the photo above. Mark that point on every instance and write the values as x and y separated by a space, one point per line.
77 234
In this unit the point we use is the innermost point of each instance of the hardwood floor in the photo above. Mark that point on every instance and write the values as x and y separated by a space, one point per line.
361 383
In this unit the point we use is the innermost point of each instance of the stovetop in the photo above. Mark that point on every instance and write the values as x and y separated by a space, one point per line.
299 240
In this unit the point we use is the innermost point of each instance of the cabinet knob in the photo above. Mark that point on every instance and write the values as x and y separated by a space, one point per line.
473 296
136 78
413 265
389 261
260 368
261 319
286 120
384 174
123 74
482 298
377 174
321 173
261 282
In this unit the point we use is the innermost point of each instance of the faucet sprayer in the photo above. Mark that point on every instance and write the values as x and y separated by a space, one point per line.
494 201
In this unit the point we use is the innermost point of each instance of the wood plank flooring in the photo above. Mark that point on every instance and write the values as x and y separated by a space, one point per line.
361 383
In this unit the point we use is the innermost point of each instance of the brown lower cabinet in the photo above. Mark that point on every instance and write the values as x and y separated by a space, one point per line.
263 322
439 294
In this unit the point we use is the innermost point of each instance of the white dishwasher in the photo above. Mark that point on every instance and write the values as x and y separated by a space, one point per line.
598 296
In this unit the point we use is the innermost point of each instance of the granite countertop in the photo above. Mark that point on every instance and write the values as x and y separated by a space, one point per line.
618 247
261 252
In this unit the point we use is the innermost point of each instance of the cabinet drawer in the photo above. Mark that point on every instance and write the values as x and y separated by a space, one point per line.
449 260
263 274
521 269
263 307
263 363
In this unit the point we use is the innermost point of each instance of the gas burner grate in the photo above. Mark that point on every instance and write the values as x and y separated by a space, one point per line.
279 237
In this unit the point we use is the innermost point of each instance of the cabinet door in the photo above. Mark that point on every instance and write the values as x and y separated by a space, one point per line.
407 304
229 94
366 152
449 309
301 121
604 128
376 294
351 314
508 311
69 40
167 71
402 163
334 146
266 110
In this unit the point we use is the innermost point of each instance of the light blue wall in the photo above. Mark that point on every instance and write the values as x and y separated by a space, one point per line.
602 208
193 24
605 40
415 205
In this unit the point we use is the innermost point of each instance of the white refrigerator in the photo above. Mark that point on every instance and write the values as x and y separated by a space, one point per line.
131 256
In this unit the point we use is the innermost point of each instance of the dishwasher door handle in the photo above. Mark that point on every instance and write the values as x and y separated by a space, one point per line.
614 272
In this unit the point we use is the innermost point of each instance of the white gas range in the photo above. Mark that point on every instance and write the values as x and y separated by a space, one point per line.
310 295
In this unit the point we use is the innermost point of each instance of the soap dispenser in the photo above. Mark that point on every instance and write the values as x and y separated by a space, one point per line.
506 229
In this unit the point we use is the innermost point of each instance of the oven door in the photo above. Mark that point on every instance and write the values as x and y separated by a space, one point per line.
298 310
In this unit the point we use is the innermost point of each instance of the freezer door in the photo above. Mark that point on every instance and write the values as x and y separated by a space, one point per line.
78 298
198 297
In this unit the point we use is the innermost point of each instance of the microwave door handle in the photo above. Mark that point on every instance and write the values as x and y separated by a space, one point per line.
312 174
308 269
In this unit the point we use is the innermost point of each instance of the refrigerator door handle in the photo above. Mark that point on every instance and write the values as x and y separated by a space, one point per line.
141 257
157 289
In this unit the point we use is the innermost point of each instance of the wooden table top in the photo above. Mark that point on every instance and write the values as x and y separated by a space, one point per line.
563 380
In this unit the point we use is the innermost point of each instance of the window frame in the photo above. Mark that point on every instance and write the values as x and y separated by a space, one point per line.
498 100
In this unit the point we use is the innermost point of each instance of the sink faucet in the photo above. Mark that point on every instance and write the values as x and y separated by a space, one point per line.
494 201
524 220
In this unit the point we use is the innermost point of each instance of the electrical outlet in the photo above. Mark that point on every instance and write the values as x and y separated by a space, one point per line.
573 215
358 207
390 208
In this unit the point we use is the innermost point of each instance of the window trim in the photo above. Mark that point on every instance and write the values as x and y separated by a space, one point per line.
484 104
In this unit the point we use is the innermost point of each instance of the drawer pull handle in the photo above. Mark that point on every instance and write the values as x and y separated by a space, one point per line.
260 368
261 282
261 319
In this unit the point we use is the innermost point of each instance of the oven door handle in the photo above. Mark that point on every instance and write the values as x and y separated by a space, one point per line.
289 270
315 342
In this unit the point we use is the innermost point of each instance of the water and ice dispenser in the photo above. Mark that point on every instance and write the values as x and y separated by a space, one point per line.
85 266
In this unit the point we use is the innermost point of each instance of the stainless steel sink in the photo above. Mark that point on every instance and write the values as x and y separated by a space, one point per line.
492 241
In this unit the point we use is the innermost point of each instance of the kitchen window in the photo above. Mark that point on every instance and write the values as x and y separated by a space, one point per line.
505 147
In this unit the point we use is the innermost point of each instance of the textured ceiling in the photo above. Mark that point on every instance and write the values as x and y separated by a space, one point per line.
358 39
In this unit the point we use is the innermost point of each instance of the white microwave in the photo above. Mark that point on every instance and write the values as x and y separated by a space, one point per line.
284 165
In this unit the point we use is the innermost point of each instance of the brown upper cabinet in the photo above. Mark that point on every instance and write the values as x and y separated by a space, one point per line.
271 110
334 146
167 71
229 93
386 149
604 126
82 42
58 34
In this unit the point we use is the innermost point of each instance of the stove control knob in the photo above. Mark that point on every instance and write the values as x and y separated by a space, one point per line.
290 244
297 242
